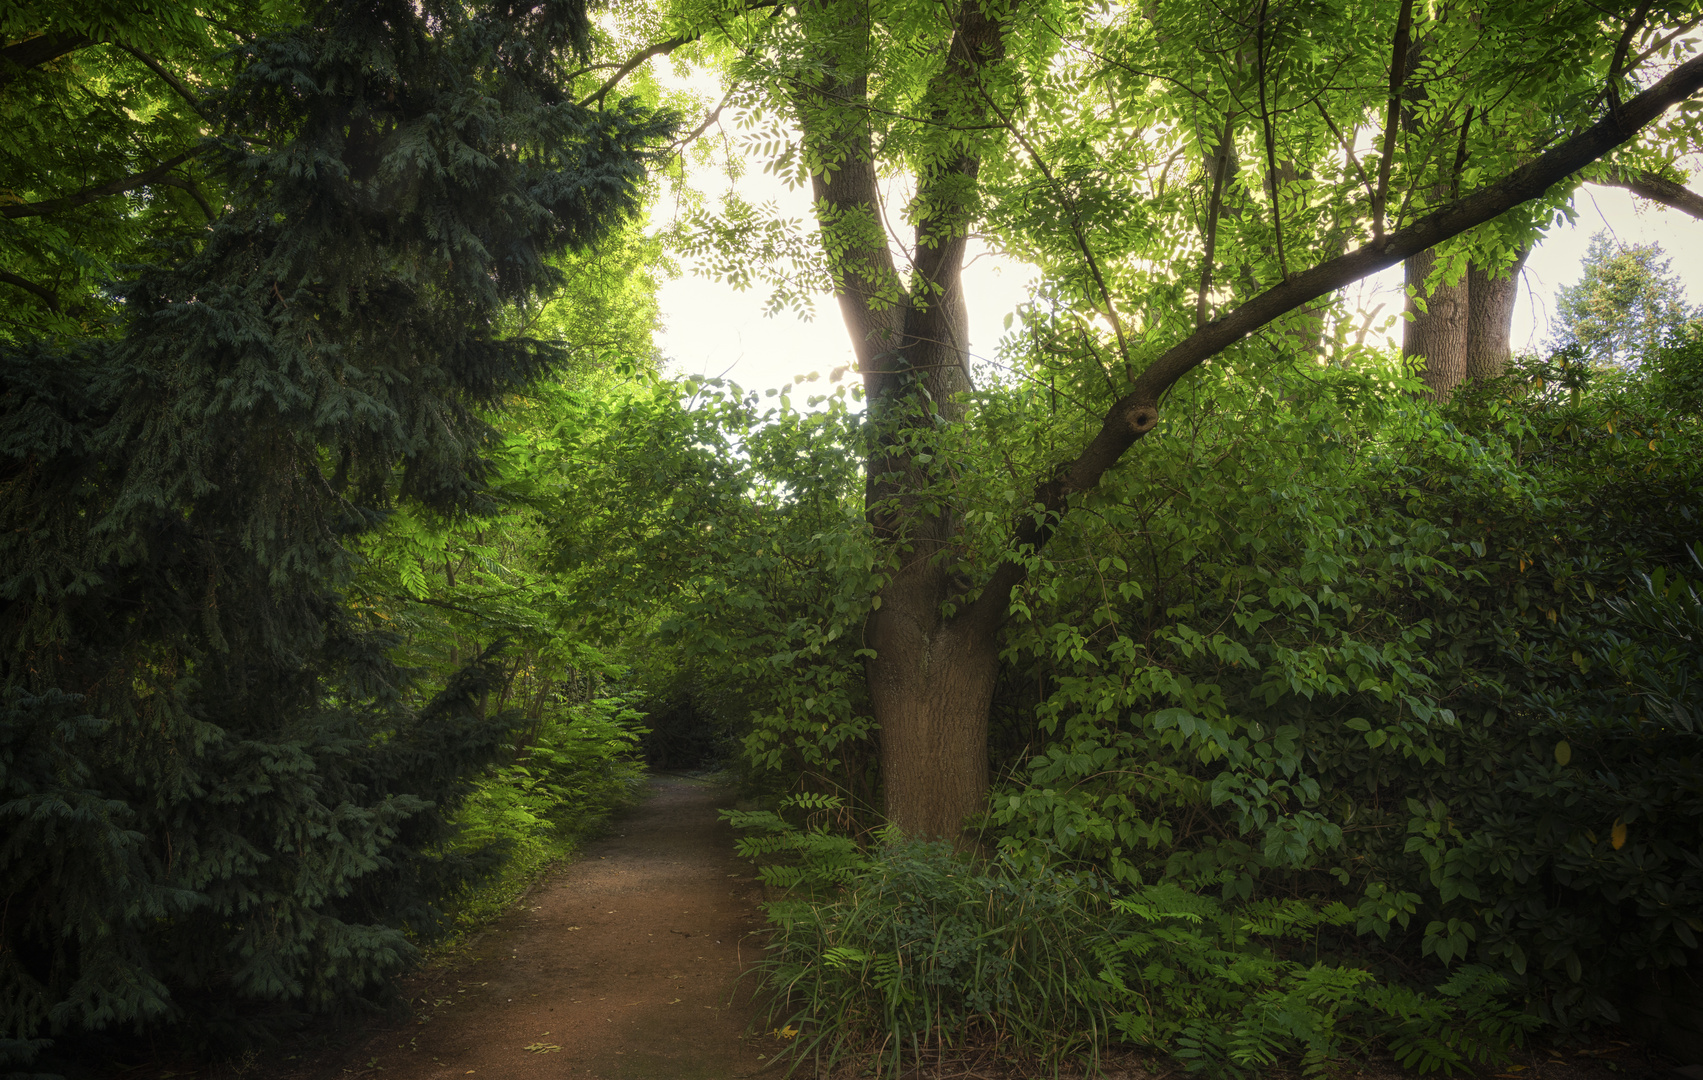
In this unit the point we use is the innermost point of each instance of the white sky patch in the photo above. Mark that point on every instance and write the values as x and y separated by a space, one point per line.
712 329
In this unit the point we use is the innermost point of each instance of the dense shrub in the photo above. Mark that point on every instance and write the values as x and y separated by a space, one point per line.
908 948
1414 690
1433 667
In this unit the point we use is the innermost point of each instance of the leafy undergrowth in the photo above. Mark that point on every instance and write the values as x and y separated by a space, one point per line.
894 954
579 768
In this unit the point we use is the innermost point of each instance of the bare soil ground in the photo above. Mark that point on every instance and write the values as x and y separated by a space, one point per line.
623 966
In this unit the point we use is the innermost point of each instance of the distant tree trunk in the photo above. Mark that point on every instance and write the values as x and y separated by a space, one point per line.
1490 318
1434 340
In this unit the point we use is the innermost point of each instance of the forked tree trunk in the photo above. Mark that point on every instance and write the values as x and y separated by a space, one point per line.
1434 339
1490 318
933 635
932 675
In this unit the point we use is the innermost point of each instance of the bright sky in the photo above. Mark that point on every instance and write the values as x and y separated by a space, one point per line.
714 330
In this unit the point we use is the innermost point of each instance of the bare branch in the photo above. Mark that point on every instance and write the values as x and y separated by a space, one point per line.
710 118
1215 205
1270 146
1618 67
1392 118
194 193
661 48
170 80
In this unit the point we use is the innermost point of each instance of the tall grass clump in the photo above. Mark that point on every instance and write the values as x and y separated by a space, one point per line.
890 954
907 949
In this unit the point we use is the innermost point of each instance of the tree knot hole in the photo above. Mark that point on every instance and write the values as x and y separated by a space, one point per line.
1142 418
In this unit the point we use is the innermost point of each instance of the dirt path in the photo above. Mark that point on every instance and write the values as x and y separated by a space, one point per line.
621 967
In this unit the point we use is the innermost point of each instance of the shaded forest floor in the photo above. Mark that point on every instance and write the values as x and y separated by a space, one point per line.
626 965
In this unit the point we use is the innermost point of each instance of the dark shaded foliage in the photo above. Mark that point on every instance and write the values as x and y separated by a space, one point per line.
219 791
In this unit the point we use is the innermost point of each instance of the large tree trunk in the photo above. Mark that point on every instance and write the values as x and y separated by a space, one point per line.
932 632
931 684
1490 318
1434 339
932 675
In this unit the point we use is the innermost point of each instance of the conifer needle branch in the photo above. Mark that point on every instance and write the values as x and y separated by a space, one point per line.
94 194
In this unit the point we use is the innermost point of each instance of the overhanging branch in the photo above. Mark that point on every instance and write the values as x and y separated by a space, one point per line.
47 296
94 194
660 48
19 57
1136 413
1656 188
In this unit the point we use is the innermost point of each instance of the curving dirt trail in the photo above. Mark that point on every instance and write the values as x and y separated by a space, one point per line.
623 966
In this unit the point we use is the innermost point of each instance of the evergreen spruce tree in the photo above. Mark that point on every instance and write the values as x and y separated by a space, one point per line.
217 804
1625 306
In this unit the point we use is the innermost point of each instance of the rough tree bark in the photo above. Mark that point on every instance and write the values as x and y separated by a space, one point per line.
1656 188
933 634
1490 317
931 679
1434 340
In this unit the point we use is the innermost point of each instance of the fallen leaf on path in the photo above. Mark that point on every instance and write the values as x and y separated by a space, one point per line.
543 1048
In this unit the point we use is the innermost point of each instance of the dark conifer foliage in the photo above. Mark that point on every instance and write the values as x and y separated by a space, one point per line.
216 791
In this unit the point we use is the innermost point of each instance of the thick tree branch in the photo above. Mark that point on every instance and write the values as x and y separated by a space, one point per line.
1137 412
1214 206
1392 118
94 194
177 85
42 293
194 193
1656 188
17 58
660 48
